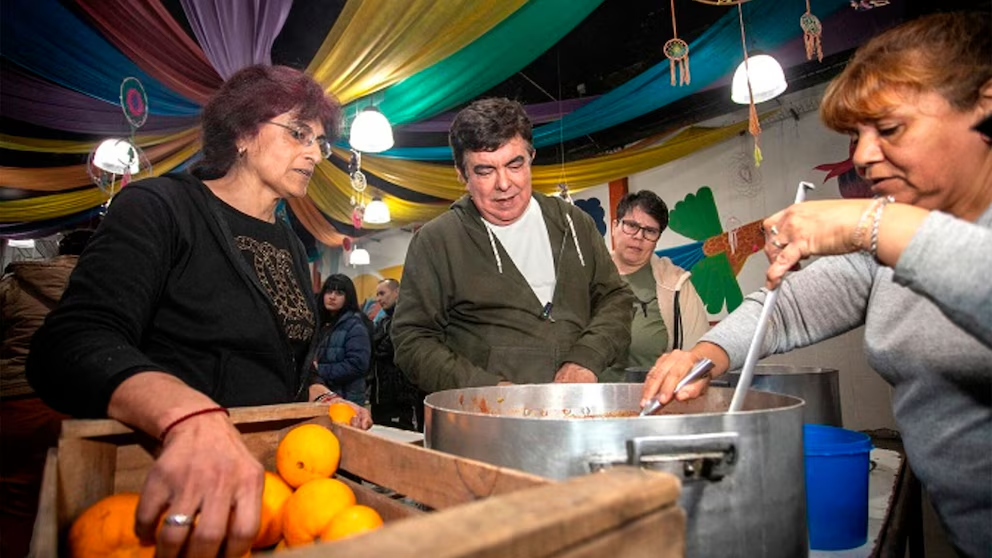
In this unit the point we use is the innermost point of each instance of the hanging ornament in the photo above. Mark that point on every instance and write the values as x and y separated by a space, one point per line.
677 52
812 29
754 126
563 193
358 184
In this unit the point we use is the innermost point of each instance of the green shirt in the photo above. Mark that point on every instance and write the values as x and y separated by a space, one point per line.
648 334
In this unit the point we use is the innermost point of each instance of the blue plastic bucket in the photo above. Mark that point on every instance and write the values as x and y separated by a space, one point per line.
837 468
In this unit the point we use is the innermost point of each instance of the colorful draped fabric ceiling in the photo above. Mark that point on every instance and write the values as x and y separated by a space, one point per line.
63 63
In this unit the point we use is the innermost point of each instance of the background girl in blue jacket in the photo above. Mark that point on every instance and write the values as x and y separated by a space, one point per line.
345 348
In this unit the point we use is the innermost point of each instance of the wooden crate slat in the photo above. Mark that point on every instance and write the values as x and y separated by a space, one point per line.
404 468
535 523
46 531
660 534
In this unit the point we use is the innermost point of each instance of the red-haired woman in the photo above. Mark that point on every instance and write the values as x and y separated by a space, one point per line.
912 266
192 297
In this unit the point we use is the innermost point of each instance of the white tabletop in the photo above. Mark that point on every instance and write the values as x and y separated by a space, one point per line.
881 486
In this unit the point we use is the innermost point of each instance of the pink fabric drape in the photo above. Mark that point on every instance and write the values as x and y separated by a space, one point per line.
146 33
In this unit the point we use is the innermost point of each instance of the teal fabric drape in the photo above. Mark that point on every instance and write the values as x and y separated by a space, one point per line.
497 55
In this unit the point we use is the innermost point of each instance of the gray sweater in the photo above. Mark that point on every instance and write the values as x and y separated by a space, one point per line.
928 332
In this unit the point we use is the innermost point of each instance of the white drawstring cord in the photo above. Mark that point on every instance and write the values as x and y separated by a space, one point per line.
492 242
575 238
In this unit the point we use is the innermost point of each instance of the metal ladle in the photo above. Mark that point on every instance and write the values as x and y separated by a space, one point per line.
747 373
700 369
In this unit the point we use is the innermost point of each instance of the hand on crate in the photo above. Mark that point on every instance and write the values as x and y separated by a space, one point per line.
204 471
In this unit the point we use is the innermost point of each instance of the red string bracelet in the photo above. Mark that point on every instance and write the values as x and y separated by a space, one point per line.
188 416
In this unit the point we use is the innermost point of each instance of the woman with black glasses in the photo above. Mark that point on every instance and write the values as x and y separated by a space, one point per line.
192 297
668 313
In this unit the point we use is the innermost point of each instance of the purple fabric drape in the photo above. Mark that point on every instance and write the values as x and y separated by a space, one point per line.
36 101
147 34
236 33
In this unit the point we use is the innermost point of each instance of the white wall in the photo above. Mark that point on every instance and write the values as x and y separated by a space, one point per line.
792 147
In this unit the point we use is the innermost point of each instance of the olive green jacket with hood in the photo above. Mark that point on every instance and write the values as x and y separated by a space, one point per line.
467 316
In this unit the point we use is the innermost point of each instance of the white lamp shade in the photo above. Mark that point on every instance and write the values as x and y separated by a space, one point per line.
377 212
359 256
117 156
22 244
371 132
767 80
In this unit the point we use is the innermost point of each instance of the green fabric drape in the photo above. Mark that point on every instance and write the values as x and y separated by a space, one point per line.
504 50
377 43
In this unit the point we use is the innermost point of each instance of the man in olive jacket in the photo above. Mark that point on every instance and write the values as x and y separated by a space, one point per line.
508 286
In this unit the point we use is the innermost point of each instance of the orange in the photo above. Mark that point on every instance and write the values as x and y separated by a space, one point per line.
310 509
274 495
306 453
350 522
341 413
107 529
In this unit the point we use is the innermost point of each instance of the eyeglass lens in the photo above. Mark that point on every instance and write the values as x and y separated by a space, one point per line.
306 136
632 228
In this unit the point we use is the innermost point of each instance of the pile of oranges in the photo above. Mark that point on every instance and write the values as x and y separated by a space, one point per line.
301 505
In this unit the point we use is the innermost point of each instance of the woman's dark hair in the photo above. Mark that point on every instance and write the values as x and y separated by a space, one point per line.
337 282
649 202
486 125
251 96
72 243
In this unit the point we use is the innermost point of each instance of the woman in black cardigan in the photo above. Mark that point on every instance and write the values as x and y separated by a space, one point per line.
192 297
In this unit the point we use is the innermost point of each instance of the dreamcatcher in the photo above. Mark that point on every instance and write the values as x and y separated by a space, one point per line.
115 162
677 52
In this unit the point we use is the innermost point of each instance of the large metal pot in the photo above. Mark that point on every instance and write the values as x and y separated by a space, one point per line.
743 480
818 387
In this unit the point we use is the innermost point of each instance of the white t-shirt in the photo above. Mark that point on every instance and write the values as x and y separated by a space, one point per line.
529 246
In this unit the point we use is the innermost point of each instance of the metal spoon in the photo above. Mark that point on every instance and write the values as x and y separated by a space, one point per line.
699 370
747 373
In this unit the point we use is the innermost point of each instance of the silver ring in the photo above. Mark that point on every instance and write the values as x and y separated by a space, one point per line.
773 230
179 520
778 244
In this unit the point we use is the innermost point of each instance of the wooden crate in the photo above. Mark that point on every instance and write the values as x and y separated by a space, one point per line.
480 510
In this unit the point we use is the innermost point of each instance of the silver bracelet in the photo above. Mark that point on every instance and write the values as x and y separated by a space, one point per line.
873 248
326 396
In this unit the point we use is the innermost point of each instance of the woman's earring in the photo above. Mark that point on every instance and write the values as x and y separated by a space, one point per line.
241 152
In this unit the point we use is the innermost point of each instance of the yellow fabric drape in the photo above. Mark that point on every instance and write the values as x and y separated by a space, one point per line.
376 43
59 205
441 181
164 157
17 143
331 192
49 207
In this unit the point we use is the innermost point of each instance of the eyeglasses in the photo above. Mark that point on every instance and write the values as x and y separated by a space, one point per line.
631 228
306 136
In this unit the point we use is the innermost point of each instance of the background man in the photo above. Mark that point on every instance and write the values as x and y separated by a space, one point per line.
28 291
507 286
668 313
395 401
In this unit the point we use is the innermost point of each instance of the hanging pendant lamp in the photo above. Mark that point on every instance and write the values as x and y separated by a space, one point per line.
767 80
371 132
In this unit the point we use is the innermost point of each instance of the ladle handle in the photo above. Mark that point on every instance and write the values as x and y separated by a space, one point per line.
754 351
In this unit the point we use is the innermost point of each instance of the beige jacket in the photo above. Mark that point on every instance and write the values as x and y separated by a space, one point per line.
27 294
669 280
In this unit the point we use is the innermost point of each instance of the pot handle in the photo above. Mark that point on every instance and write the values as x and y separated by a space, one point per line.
691 456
